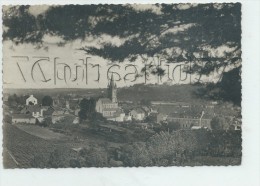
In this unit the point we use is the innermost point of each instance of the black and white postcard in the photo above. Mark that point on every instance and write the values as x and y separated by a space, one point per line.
122 85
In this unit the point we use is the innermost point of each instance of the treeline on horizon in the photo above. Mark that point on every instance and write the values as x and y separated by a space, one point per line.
138 92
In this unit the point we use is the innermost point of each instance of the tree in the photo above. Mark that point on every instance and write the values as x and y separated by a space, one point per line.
10 100
227 89
97 116
47 101
95 156
206 37
75 163
231 86
173 126
46 122
82 115
39 161
14 99
162 149
87 108
216 123
56 159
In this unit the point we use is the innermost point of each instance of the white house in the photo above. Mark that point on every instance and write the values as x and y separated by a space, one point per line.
118 116
161 117
121 117
137 114
31 100
128 118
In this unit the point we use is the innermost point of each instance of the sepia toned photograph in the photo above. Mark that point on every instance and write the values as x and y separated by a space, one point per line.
126 85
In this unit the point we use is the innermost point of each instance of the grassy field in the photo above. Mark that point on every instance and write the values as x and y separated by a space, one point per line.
24 146
41 132
27 148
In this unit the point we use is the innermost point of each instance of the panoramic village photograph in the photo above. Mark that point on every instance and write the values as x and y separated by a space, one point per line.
134 85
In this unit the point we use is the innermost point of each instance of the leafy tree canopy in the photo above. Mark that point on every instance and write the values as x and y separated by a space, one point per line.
176 32
87 108
207 36
47 101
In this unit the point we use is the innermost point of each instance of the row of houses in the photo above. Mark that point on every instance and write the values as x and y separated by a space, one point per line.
110 109
202 121
33 112
185 122
56 115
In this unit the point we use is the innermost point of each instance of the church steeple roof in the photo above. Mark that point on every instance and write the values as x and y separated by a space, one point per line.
112 82
112 89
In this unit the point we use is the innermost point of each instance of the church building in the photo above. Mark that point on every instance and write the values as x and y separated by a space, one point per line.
108 107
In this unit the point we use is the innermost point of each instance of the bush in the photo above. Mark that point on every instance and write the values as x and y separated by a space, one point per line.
56 160
75 163
39 161
161 149
95 156
180 147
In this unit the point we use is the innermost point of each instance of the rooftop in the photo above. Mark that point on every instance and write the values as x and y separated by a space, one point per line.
22 116
105 100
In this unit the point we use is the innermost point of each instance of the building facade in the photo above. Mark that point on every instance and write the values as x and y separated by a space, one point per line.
31 100
137 114
108 107
187 123
23 118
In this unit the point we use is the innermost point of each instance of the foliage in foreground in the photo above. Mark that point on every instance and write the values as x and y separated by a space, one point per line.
179 148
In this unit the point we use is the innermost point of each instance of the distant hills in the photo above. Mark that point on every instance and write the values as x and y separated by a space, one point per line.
55 91
183 93
137 92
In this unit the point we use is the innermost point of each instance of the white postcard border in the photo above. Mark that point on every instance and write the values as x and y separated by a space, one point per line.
246 174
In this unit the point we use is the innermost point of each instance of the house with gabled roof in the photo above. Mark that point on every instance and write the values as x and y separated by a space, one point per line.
59 114
31 100
35 111
137 114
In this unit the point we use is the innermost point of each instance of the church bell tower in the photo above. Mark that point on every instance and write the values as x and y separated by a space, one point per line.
112 90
